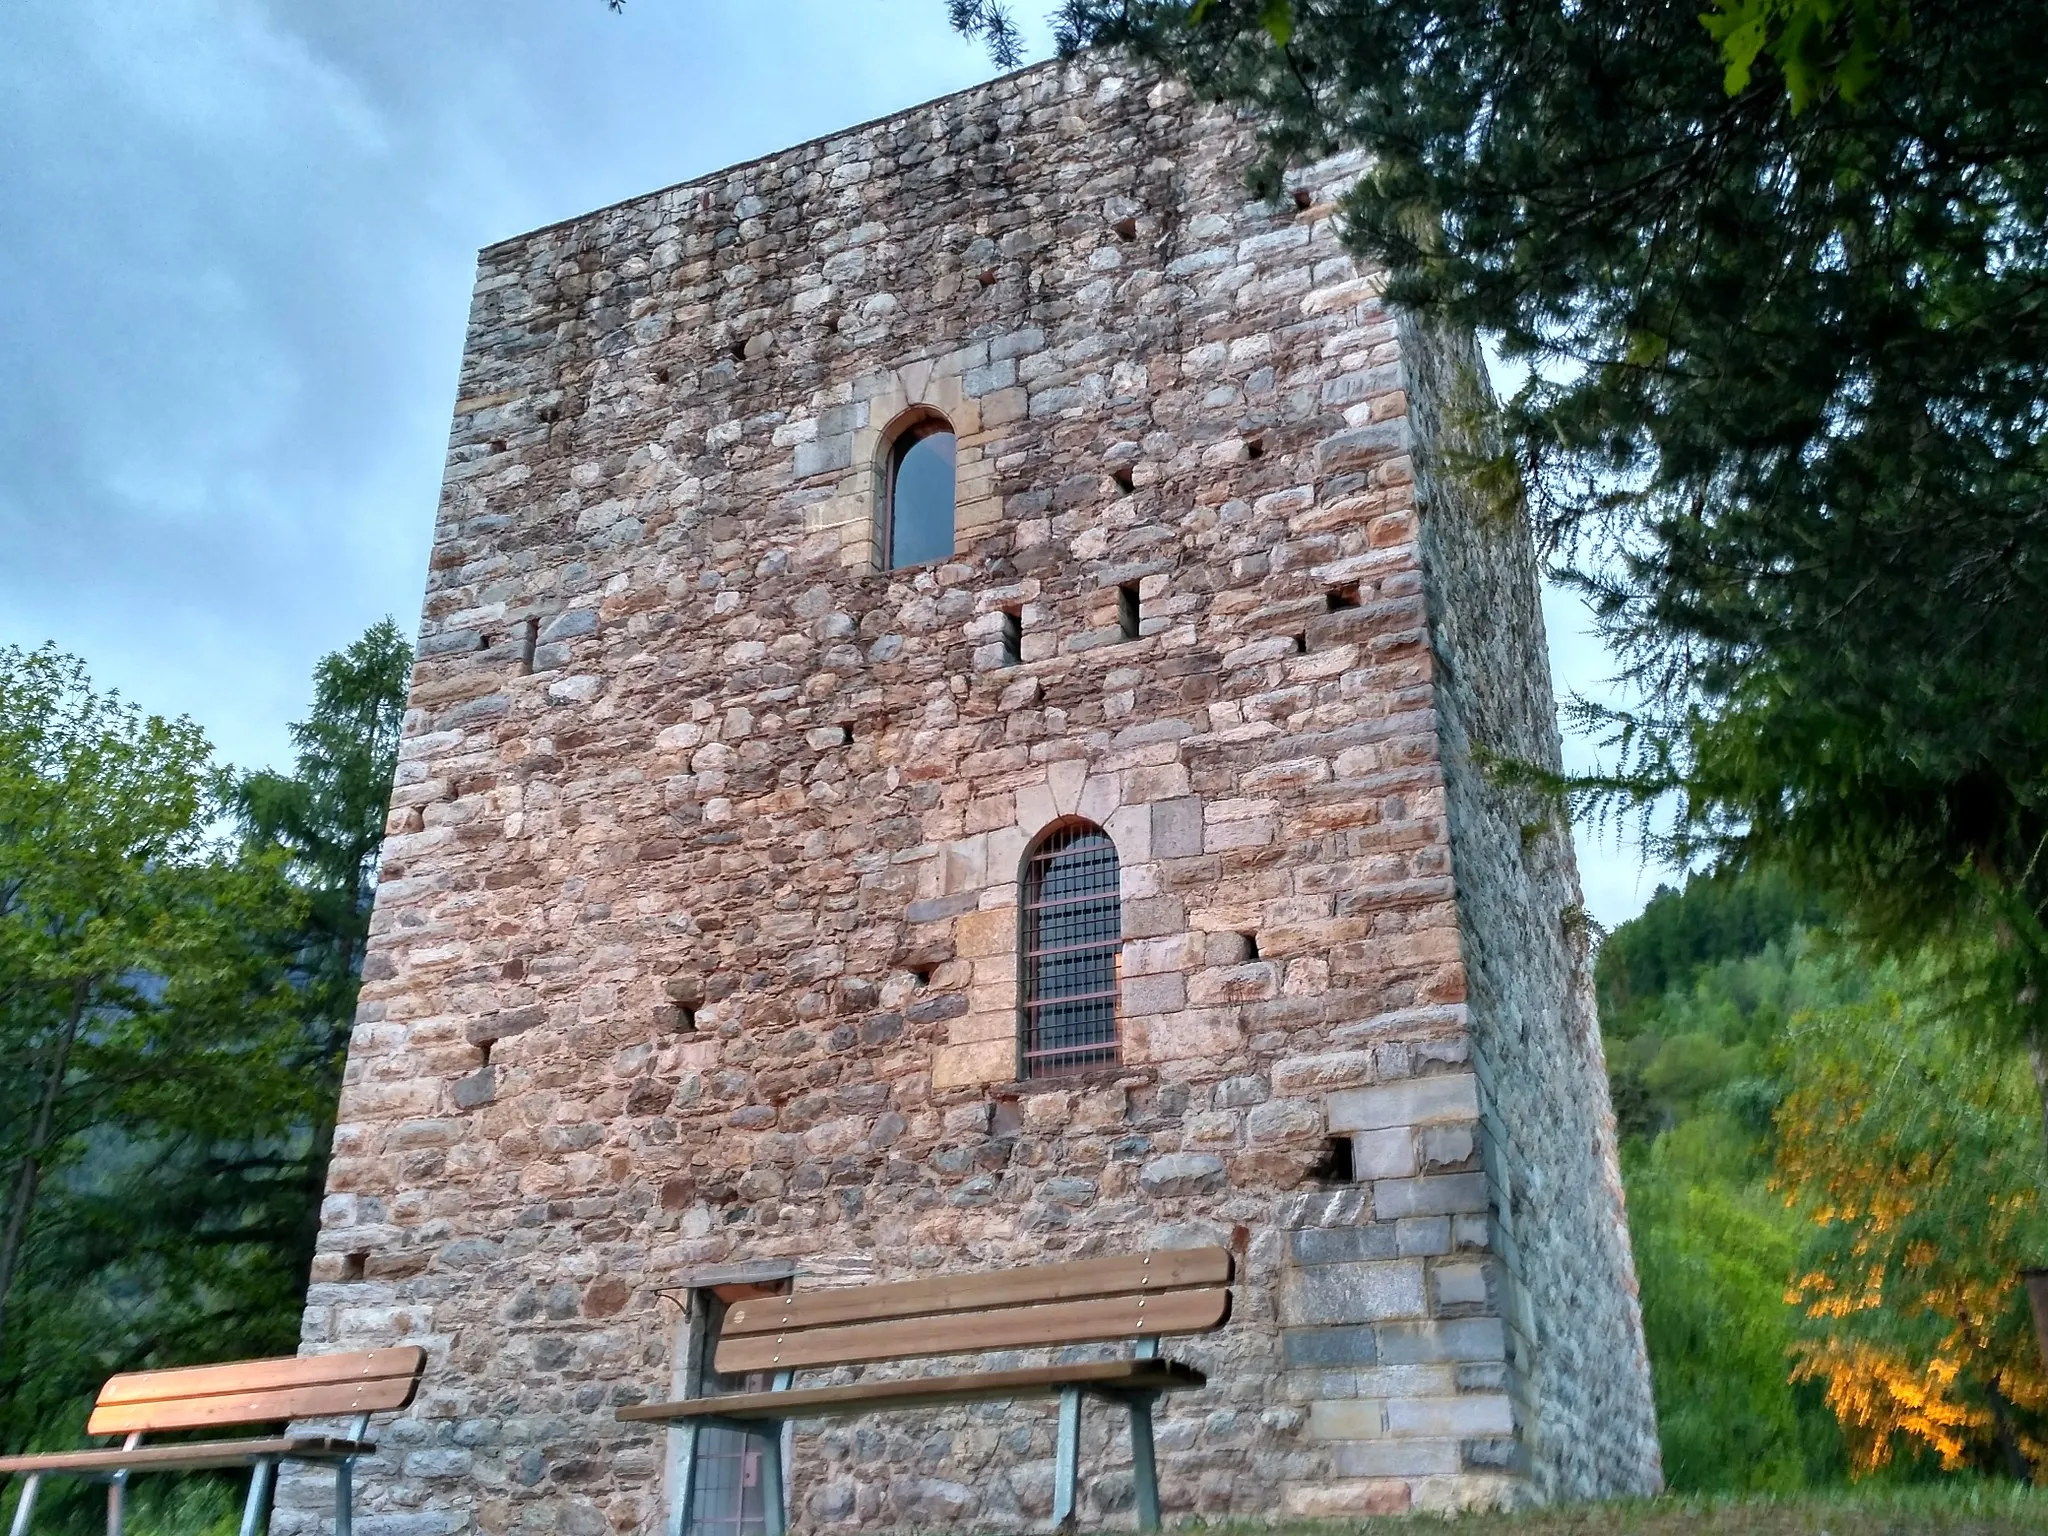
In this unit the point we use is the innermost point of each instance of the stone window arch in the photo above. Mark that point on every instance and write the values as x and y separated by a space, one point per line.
915 517
1070 944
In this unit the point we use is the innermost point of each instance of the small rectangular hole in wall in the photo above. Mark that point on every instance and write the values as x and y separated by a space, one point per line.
1335 1166
353 1265
686 1018
483 1053
1125 480
1340 598
1013 639
1127 615
529 636
1251 945
1301 645
1255 448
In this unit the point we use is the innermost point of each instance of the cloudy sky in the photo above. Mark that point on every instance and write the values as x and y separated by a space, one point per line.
235 268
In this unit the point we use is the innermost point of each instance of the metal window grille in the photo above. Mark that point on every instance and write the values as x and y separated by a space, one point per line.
729 1498
1073 932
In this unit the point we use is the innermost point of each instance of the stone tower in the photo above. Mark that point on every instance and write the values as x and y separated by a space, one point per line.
696 957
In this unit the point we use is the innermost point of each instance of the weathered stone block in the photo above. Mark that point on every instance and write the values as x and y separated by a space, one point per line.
1339 1245
1445 1195
1331 1346
1474 1413
1360 1292
1396 1458
1414 1101
1182 1173
1358 1419
1470 1338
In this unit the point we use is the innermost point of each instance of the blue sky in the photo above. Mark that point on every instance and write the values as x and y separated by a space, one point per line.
236 266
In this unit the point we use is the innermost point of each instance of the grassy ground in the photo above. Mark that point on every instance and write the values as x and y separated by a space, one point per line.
1949 1509
1960 1508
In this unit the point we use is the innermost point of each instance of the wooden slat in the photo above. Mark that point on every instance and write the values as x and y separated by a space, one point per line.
190 1458
264 1375
927 1392
1085 1280
1064 1322
230 1408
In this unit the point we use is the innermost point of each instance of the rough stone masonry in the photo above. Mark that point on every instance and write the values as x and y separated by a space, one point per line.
695 947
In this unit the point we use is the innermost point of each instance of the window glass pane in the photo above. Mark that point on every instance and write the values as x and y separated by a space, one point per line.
921 502
1073 928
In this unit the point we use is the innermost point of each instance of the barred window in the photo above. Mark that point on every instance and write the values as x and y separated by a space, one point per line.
1072 935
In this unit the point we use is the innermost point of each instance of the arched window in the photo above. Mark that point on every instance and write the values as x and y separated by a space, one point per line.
918 493
1072 933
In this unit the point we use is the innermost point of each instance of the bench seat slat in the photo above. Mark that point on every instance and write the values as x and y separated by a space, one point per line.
250 1408
926 1392
1065 1322
207 1455
258 1391
1087 1279
264 1375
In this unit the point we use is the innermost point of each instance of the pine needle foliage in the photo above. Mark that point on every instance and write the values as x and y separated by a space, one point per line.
1783 420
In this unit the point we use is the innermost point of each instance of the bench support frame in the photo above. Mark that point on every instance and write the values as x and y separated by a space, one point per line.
1087 1301
767 1434
1066 1477
24 1510
262 1482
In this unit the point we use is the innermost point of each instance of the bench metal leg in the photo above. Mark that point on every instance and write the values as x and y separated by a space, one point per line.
684 1494
1066 1470
345 1496
772 1515
259 1490
117 1503
1143 1469
27 1506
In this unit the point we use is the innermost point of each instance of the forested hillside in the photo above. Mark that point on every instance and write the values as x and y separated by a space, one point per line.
1832 1191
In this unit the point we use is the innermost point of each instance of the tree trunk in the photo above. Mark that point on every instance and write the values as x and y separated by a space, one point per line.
2015 1459
2037 1053
23 1200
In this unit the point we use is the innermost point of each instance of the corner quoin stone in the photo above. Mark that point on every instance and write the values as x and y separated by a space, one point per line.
694 956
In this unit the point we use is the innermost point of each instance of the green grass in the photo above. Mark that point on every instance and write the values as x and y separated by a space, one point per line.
157 1506
1958 1507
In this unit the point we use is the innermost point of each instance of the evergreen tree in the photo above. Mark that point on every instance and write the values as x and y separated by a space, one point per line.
325 823
1787 339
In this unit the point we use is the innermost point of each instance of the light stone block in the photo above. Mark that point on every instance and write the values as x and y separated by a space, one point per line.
1413 1101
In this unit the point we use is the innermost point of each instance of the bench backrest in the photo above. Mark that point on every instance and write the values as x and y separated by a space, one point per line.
258 1391
1144 1295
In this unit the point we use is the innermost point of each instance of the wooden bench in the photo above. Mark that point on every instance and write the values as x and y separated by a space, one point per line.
216 1397
1140 1298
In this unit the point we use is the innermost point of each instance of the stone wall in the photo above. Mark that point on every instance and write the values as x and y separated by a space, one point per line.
695 943
1567 1278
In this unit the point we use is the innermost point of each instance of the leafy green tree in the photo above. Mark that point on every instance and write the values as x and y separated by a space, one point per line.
1713 1251
141 1005
1723 915
1787 349
174 1190
1914 1153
